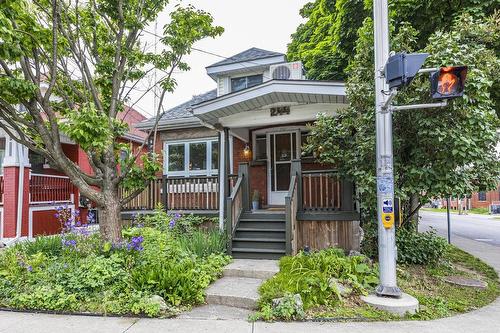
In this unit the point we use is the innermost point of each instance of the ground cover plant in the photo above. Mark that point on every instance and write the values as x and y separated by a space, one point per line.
151 272
330 285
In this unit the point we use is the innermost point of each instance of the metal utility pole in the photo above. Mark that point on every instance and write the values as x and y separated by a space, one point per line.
448 202
385 176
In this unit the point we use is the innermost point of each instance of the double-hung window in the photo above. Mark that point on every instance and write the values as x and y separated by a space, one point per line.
191 158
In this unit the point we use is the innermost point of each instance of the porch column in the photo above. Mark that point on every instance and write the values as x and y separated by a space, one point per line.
16 177
222 178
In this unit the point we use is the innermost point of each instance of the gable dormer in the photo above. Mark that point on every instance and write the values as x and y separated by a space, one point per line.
244 70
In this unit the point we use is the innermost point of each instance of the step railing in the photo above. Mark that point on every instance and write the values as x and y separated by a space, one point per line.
291 208
236 203
234 209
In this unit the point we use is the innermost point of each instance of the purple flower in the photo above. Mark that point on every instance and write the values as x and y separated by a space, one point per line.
56 215
135 244
171 224
30 268
69 242
177 215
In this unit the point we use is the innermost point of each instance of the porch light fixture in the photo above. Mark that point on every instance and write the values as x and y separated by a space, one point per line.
247 152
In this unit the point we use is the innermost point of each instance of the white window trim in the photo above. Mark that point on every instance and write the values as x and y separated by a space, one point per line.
265 131
186 172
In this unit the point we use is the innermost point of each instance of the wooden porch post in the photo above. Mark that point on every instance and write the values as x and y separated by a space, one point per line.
347 196
165 192
243 171
296 169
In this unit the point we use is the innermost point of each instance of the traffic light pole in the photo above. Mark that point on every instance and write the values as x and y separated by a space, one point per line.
385 175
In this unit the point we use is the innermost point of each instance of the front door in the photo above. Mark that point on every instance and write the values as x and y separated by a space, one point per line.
282 148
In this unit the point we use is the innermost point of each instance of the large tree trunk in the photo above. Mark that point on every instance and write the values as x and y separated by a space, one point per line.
110 219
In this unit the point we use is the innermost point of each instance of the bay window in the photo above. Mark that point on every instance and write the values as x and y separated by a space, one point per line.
191 158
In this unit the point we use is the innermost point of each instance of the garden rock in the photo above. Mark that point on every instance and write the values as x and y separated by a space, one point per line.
298 305
342 289
354 253
155 299
465 282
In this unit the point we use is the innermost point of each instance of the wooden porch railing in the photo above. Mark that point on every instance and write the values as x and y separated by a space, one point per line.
321 190
50 189
147 199
193 193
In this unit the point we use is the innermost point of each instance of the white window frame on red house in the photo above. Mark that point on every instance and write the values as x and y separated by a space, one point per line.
209 171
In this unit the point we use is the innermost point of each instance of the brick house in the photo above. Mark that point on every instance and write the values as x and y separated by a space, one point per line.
30 188
483 199
244 139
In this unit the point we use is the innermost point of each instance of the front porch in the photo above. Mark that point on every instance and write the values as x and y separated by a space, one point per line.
319 210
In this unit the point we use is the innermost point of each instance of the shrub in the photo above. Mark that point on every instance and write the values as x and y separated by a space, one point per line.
310 276
419 248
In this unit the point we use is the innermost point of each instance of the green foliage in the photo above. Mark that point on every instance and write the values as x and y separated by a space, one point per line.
310 276
425 248
204 243
81 272
287 309
327 41
74 73
437 152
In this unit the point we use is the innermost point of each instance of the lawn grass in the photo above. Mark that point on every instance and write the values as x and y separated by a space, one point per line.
480 211
437 298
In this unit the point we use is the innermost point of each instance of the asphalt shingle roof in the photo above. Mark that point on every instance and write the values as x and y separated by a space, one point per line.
182 110
248 55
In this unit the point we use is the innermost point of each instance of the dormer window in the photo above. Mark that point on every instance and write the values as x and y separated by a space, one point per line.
240 83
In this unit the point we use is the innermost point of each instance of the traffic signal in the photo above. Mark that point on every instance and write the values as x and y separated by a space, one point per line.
401 68
448 82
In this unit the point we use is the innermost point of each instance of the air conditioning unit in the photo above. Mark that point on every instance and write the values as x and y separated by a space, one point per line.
287 71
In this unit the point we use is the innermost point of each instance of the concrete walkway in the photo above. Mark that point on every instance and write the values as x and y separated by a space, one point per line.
484 320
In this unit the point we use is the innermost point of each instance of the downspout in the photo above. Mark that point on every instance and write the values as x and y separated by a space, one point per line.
20 191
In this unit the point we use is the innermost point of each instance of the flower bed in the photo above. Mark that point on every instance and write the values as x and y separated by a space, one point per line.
327 285
151 272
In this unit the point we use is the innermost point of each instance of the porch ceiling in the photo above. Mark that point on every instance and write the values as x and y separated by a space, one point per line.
274 92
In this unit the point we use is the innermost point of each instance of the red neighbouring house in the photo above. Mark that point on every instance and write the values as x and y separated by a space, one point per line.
483 199
244 139
30 188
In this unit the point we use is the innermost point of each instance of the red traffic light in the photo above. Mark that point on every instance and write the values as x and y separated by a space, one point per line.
448 82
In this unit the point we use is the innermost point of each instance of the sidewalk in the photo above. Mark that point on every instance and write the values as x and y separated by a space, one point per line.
485 320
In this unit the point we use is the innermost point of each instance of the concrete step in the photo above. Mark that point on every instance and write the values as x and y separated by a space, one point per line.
251 268
234 291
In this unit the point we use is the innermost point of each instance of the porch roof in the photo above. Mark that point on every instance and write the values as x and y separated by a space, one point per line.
273 92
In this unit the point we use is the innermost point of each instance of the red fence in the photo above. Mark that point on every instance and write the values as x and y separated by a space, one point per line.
48 189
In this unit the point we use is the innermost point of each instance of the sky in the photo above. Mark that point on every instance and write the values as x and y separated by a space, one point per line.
266 24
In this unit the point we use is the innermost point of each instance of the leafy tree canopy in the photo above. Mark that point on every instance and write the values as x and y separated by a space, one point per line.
73 65
437 152
326 41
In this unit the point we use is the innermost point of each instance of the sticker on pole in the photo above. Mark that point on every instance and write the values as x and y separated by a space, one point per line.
385 185
387 206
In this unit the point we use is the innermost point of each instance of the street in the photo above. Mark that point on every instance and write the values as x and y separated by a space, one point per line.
481 228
